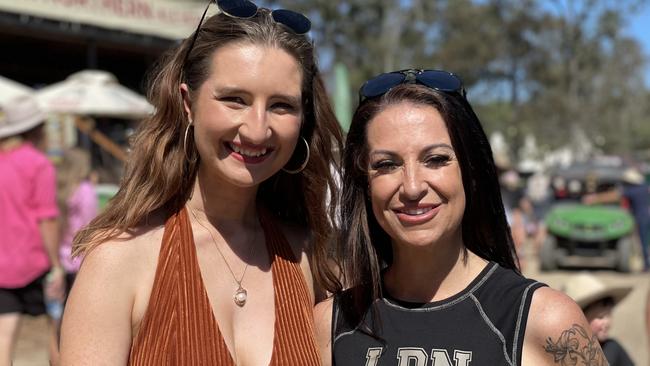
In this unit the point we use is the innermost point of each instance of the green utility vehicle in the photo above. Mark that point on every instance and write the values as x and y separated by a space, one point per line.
584 235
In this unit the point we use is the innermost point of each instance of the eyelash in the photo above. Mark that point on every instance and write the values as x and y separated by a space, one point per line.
280 105
237 100
383 165
430 161
437 160
286 106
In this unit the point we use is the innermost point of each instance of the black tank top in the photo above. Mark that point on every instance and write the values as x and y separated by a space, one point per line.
482 325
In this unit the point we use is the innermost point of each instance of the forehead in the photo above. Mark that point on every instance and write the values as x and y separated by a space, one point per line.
405 126
248 65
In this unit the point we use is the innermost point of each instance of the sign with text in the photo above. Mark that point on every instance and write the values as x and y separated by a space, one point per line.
163 18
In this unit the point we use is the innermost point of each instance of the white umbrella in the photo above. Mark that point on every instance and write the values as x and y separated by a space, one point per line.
93 93
10 89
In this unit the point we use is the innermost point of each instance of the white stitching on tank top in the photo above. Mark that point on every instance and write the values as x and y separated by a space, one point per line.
494 329
519 317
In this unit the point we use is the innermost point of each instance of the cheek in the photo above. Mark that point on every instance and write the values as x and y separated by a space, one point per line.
461 201
594 326
597 325
378 203
382 189
212 125
381 192
449 184
456 189
288 137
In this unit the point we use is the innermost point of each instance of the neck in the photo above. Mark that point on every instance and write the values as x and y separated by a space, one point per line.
221 203
10 143
431 273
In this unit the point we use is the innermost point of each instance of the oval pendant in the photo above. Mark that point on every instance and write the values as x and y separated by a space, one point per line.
240 296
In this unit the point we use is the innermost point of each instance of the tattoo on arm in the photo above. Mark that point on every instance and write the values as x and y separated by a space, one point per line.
575 348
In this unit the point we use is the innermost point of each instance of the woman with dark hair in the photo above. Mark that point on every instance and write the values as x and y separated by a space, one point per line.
426 256
205 255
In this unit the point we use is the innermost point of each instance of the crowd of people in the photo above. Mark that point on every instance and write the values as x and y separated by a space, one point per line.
231 240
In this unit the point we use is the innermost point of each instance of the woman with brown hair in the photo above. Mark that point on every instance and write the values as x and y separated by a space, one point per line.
203 257
425 250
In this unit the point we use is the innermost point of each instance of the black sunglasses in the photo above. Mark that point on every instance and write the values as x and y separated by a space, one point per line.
244 9
440 80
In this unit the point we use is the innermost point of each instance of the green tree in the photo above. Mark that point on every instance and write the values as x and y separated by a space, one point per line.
555 69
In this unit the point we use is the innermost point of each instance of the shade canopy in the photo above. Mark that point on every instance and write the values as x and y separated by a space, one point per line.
93 93
10 89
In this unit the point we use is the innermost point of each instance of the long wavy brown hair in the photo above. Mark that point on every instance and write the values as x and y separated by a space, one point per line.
159 177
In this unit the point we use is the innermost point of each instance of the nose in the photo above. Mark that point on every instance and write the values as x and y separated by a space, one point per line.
255 127
414 187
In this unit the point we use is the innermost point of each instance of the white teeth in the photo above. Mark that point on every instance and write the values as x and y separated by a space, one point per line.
417 211
246 152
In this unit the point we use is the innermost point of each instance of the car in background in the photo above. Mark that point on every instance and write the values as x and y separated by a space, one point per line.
105 193
579 235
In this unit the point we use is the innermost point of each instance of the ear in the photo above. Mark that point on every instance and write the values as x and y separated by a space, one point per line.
187 101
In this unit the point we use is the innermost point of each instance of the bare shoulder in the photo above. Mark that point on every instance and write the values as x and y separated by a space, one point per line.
110 290
125 257
557 333
323 323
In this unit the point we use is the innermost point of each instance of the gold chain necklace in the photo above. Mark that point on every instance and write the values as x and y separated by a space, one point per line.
241 295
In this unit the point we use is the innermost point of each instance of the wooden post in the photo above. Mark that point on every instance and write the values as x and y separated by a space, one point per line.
87 126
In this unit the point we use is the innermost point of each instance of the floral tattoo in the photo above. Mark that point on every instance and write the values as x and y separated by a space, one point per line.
575 348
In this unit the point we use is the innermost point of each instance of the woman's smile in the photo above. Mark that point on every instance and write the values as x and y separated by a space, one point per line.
248 154
415 215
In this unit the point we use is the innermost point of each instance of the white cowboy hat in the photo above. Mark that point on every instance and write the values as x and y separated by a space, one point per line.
19 114
585 289
632 176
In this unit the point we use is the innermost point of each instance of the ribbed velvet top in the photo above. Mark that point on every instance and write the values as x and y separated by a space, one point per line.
179 327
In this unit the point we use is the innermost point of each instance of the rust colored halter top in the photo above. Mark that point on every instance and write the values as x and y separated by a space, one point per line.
179 327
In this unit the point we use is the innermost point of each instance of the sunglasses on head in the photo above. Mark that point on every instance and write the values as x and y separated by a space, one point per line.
440 80
244 9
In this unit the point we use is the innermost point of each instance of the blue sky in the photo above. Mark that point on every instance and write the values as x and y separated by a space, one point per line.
640 28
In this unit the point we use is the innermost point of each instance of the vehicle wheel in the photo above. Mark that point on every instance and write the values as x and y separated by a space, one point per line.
624 254
548 254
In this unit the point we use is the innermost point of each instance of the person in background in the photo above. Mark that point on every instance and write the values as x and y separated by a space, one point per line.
30 270
512 194
428 264
213 250
647 317
637 193
77 202
539 193
597 301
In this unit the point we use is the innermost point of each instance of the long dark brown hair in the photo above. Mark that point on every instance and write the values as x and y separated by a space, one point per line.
159 177
364 247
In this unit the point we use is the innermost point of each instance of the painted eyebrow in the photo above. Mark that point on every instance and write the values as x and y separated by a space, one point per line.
292 99
427 148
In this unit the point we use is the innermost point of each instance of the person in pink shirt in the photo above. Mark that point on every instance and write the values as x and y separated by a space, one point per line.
77 201
29 231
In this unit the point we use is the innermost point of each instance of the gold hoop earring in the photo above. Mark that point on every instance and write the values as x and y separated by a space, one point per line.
304 164
187 130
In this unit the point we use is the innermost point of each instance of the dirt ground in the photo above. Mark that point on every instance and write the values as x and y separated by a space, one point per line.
628 328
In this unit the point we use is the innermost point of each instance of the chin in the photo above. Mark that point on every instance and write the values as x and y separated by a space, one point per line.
244 181
421 239
242 176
